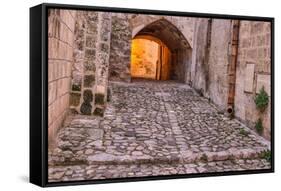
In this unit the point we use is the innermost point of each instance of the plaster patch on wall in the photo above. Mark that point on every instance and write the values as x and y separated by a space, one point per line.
249 78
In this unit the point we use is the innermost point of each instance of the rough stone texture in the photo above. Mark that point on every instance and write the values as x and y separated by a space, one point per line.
199 68
219 61
86 172
177 32
78 55
210 61
263 81
90 71
153 122
249 78
184 24
154 128
60 60
254 48
84 68
167 32
120 48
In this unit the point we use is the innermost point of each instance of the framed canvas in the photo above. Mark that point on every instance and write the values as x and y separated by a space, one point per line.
128 94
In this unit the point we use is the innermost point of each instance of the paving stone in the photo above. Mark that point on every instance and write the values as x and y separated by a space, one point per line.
153 128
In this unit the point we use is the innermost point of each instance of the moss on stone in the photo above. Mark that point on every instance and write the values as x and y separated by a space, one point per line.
259 126
262 99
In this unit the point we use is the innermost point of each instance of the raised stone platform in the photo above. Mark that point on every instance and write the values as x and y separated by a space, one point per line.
154 128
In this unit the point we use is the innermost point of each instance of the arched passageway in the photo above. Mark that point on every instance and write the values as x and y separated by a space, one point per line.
168 49
150 58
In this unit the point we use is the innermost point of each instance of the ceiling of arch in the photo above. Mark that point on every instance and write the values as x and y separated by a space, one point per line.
167 33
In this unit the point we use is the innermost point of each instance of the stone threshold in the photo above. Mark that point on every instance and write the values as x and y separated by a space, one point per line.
181 157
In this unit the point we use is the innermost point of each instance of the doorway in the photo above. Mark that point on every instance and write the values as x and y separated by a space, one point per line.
150 58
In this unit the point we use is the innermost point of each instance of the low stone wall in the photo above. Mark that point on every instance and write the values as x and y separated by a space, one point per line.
60 60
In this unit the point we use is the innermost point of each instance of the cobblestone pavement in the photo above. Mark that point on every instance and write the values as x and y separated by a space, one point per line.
154 128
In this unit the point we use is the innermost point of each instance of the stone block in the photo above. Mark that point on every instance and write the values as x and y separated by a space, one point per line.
91 41
89 66
100 89
263 80
52 48
50 71
75 99
52 91
89 80
92 28
252 54
86 108
90 54
93 16
76 87
99 98
103 47
88 96
249 78
99 111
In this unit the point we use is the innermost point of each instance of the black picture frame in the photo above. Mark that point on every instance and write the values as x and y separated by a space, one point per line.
39 93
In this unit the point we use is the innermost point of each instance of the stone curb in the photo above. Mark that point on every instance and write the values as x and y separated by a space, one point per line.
182 157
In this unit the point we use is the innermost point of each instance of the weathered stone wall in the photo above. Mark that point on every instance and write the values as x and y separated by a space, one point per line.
253 72
200 55
90 71
210 59
198 73
126 26
184 24
102 62
219 62
120 48
60 60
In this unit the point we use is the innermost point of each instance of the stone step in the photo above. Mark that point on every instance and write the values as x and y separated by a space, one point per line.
91 172
103 158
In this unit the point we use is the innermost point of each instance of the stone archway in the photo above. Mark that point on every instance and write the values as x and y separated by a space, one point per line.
168 34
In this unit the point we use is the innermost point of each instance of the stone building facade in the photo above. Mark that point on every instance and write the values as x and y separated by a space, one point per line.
226 61
60 62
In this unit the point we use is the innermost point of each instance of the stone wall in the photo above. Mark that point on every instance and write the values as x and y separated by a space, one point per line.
120 48
126 26
60 61
253 72
219 62
210 59
200 55
90 71
198 71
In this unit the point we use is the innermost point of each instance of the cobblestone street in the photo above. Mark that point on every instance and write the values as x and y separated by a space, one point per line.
154 128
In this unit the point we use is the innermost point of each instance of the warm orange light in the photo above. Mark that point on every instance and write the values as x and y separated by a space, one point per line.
150 58
144 57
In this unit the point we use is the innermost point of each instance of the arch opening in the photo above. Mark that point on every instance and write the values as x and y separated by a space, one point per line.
150 58
174 52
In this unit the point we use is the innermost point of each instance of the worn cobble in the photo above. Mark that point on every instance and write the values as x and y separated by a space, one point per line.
154 128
